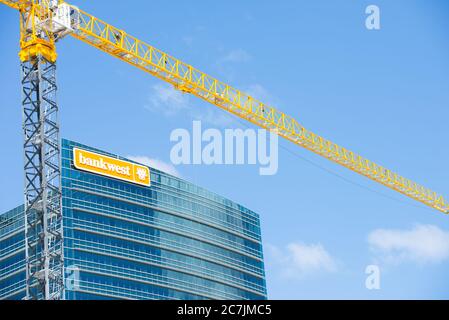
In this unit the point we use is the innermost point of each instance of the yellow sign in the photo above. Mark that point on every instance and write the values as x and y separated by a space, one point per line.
111 167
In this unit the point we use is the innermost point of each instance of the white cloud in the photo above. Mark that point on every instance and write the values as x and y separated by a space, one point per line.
422 244
156 164
167 100
258 92
298 260
216 118
238 55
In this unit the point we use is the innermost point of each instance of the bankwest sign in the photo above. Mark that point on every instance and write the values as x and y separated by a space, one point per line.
111 167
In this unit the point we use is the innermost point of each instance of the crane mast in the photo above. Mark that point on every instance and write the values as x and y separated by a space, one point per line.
44 251
42 24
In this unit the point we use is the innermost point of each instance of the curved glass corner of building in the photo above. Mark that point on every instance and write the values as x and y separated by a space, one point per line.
169 240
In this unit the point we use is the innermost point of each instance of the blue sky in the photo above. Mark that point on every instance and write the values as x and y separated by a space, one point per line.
383 94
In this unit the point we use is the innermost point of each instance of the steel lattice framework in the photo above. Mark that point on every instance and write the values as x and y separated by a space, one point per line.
44 252
43 208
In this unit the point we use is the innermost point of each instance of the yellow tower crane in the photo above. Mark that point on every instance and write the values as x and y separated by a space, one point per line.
42 24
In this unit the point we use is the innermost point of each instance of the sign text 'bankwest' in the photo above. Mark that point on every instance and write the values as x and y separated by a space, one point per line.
111 167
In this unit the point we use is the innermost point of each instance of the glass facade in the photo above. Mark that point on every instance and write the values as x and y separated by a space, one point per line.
172 240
